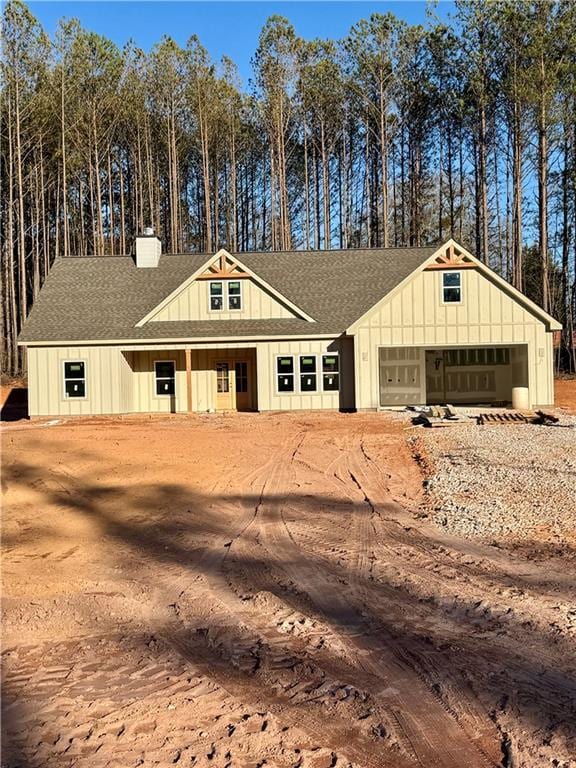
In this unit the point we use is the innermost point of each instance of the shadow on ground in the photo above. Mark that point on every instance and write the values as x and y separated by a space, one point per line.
168 525
15 406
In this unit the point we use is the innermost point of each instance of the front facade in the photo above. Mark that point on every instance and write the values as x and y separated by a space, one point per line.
282 331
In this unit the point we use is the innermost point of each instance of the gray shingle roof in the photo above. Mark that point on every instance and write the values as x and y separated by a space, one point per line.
103 298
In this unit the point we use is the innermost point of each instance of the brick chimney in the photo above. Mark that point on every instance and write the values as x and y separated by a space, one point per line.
148 249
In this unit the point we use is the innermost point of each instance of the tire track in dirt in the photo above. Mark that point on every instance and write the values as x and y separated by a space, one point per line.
240 638
436 737
283 610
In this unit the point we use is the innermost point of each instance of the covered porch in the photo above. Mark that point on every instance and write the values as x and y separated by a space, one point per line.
191 379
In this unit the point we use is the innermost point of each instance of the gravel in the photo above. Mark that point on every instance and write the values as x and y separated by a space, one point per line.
498 483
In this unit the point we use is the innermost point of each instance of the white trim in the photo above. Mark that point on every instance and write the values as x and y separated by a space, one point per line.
327 373
553 324
241 294
443 287
182 341
222 252
315 374
293 374
162 378
65 397
225 296
319 373
210 283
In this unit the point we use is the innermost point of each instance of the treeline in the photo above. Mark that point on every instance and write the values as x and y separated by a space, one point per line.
396 135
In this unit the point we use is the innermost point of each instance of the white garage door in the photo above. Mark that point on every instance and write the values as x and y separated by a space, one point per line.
400 376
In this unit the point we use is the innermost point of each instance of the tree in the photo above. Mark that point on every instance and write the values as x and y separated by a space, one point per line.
397 134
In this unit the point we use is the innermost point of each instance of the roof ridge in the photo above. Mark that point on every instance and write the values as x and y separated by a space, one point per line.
239 254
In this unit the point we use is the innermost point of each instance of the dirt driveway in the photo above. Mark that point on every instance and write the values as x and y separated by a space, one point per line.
257 591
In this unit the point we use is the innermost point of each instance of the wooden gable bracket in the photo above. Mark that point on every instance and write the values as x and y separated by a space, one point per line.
223 269
452 258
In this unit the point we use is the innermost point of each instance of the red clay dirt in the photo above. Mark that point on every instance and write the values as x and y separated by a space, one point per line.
565 394
257 590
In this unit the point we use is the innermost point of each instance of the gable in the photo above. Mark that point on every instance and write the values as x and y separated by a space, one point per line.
487 298
191 300
193 303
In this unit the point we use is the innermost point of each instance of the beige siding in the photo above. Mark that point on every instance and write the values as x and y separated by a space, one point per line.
108 381
416 317
193 304
269 399
265 395
203 378
145 399
123 381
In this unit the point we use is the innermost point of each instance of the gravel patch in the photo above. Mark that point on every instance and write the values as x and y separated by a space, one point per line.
502 482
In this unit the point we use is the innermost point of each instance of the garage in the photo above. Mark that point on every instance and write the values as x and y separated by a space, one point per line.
462 375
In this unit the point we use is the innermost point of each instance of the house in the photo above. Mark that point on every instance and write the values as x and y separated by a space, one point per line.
354 329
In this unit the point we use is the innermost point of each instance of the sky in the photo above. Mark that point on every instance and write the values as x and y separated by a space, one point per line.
229 28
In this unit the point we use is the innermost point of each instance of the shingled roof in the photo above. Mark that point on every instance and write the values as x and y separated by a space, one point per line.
103 298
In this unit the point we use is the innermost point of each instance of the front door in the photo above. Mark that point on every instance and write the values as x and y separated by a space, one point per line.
225 400
233 392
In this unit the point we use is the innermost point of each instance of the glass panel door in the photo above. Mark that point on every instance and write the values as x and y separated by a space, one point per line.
224 393
222 378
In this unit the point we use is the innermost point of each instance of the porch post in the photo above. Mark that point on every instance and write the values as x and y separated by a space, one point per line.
188 353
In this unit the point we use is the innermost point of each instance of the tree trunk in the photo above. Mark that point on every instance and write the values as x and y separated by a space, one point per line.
543 202
517 265
384 163
482 185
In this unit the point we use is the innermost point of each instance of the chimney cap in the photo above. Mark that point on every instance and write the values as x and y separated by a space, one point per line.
148 231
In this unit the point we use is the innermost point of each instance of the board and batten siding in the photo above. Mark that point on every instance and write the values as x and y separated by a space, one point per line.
193 303
263 354
269 399
123 380
203 374
108 381
414 316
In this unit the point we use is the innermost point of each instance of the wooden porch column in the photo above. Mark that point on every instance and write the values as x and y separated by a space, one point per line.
188 380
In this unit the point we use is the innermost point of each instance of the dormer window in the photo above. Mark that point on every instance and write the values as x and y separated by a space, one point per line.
216 297
225 295
451 287
234 294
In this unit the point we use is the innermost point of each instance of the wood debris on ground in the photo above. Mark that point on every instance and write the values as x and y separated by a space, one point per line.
434 416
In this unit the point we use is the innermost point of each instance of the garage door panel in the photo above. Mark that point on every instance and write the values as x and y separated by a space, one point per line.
400 376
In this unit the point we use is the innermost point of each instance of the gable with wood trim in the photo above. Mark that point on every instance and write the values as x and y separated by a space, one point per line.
224 289
488 342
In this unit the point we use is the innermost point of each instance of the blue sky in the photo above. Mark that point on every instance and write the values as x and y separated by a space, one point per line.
230 28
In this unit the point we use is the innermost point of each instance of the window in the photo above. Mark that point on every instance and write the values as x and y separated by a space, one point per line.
231 291
241 369
451 287
165 378
285 373
235 295
330 373
74 378
216 297
308 373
